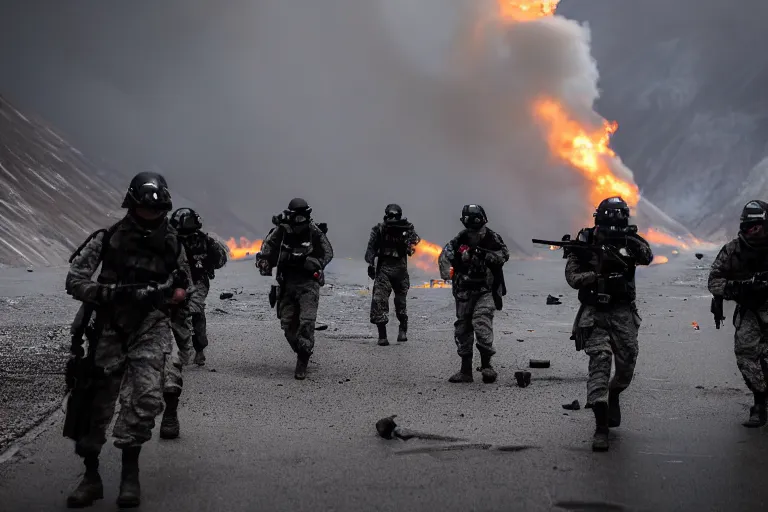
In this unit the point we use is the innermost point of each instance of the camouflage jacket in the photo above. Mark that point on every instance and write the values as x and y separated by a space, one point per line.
581 268
737 260
83 266
393 250
486 258
296 254
204 254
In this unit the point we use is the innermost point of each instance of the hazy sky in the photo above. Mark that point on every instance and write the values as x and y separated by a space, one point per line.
351 104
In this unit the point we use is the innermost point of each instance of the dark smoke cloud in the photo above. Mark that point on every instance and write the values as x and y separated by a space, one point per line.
350 103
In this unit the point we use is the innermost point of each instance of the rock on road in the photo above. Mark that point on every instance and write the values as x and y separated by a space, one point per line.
253 438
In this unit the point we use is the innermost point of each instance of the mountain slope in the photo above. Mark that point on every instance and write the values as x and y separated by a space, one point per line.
51 196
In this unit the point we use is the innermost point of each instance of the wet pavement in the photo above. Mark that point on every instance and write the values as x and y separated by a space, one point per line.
253 438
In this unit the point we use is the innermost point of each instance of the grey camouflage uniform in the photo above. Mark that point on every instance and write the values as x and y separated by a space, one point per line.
204 252
736 261
609 332
391 274
300 293
133 361
475 306
181 351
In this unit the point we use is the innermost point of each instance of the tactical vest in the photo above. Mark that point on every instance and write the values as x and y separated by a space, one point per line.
394 240
295 248
621 290
746 262
134 257
475 271
196 247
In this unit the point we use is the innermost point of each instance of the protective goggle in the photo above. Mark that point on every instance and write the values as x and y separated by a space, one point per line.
618 213
392 214
149 194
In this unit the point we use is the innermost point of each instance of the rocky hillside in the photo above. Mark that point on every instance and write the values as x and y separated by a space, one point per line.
686 82
51 196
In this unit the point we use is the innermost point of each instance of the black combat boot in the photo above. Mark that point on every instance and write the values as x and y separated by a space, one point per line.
383 341
614 411
301 366
402 334
600 439
130 491
489 374
758 415
169 427
200 357
90 488
465 374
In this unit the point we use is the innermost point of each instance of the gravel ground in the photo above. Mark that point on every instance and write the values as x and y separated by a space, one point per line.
34 340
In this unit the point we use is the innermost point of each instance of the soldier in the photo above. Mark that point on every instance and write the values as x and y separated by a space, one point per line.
300 250
607 323
133 330
390 244
740 274
474 261
205 256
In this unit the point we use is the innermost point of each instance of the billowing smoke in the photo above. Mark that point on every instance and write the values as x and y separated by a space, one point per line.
352 104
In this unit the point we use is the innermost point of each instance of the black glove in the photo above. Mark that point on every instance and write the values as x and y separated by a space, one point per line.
264 268
148 294
372 272
180 279
312 265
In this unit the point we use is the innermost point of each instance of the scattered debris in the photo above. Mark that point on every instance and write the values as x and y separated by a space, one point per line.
553 301
30 270
695 326
538 363
388 429
699 255
321 327
523 378
212 370
226 295
573 406
520 340
219 310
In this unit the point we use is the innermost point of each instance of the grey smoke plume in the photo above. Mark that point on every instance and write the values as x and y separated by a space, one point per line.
352 104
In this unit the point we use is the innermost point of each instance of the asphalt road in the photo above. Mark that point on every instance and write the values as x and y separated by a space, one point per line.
253 438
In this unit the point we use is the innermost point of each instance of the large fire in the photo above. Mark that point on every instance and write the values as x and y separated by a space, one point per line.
525 10
426 256
243 248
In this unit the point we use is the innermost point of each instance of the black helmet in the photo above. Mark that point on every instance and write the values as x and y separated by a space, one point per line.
473 216
298 212
393 212
186 220
755 213
148 190
612 212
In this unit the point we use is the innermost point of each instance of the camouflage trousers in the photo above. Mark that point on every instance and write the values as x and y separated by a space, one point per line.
197 309
133 367
390 278
181 352
751 347
610 337
474 320
297 310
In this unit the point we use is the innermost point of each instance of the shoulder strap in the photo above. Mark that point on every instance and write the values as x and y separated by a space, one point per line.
104 243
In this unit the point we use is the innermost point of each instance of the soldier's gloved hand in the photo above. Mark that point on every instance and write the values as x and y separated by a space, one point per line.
180 279
465 253
149 293
371 271
312 264
411 250
588 278
264 268
493 258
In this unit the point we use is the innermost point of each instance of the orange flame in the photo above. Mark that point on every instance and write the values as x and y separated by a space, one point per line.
657 237
659 260
434 283
243 248
586 150
526 10
426 256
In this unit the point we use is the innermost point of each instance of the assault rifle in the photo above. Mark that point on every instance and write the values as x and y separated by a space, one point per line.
81 372
716 308
604 252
